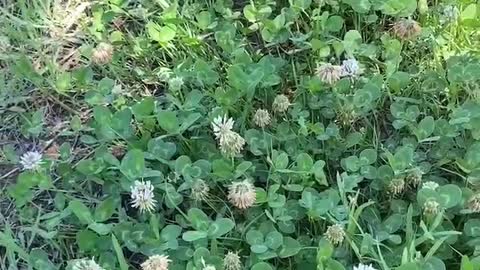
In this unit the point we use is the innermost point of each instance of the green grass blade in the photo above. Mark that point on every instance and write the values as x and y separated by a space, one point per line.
118 250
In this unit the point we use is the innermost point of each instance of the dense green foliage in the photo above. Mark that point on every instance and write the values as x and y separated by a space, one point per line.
372 156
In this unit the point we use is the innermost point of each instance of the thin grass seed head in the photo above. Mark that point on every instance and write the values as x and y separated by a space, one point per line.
242 194
430 185
86 264
329 73
261 118
231 261
156 262
142 196
406 29
335 234
31 160
102 54
280 103
362 266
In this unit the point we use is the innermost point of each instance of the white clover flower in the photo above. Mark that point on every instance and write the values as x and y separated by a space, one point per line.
335 234
4 44
199 190
397 186
261 118
450 13
102 54
362 266
414 177
173 177
156 262
86 264
474 203
142 196
175 83
242 194
406 29
281 103
329 73
431 207
164 74
207 266
232 261
350 68
232 144
31 160
430 185
222 127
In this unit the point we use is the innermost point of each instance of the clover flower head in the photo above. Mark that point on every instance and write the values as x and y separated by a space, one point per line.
142 196
406 29
102 54
450 13
232 144
232 261
281 103
164 74
4 44
242 194
86 264
430 185
261 118
199 190
156 262
362 266
175 83
335 234
350 68
329 73
431 207
474 203
415 177
222 126
397 186
31 160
